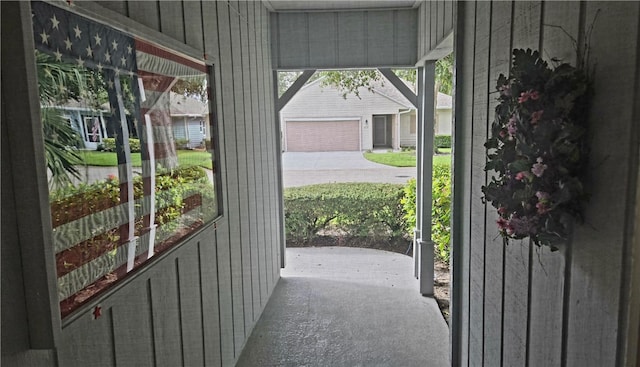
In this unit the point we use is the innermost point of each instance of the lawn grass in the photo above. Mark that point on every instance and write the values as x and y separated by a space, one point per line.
395 159
442 159
403 159
110 159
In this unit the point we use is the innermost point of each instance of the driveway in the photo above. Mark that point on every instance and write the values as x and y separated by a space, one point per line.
300 169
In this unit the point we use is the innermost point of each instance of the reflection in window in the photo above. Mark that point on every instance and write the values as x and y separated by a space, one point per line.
128 151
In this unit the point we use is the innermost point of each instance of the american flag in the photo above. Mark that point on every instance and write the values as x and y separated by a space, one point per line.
151 72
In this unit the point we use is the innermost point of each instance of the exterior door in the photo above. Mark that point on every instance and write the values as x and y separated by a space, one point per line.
379 131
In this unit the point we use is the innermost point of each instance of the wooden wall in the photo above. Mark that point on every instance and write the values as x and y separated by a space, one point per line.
196 305
435 24
352 39
520 305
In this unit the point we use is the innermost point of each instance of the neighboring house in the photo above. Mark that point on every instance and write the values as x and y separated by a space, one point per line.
318 118
190 118
89 122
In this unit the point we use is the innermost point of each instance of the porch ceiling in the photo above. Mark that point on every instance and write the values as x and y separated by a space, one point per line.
332 5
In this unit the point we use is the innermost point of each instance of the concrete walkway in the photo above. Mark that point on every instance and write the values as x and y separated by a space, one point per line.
300 169
336 306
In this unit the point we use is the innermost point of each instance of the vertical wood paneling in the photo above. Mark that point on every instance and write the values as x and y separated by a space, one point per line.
145 12
526 34
421 28
119 6
209 298
440 20
500 56
433 24
190 298
448 16
229 299
76 349
380 26
193 24
293 40
598 248
547 268
258 166
323 39
405 37
221 334
251 235
164 295
134 342
463 152
426 36
271 125
351 50
261 104
238 240
478 177
172 19
276 190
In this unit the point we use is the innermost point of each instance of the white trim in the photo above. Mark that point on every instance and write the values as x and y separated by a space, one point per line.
313 119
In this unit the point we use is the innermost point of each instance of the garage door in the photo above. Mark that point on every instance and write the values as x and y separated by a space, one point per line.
323 136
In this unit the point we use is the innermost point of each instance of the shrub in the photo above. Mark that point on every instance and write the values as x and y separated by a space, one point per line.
440 209
356 209
442 141
181 143
109 145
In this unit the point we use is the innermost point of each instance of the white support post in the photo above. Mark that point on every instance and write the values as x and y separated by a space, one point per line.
426 162
419 129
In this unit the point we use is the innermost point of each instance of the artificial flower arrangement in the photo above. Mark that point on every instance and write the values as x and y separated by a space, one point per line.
538 150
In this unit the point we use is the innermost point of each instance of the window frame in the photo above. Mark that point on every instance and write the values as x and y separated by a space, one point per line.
31 191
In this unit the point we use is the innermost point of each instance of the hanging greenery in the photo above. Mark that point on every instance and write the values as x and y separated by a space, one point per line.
538 150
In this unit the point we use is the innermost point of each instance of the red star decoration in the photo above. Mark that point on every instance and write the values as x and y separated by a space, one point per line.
97 312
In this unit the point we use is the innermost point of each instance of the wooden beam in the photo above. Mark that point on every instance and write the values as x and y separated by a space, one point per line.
293 89
399 84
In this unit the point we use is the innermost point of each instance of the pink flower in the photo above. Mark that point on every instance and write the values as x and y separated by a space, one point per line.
535 117
502 210
530 94
542 207
522 175
502 223
538 168
112 177
534 95
542 196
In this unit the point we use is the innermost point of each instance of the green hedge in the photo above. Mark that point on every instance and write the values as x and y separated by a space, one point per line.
440 209
354 209
442 141
109 145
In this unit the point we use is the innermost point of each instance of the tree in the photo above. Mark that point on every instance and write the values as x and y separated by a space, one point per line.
57 83
350 81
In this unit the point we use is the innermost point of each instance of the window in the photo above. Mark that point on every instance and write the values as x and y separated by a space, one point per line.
118 201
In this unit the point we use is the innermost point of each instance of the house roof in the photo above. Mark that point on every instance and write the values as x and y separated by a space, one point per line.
187 106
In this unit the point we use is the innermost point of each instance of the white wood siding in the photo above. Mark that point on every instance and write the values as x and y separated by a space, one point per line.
519 305
195 305
435 19
324 40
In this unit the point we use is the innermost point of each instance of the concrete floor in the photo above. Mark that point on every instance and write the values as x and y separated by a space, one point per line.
337 306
